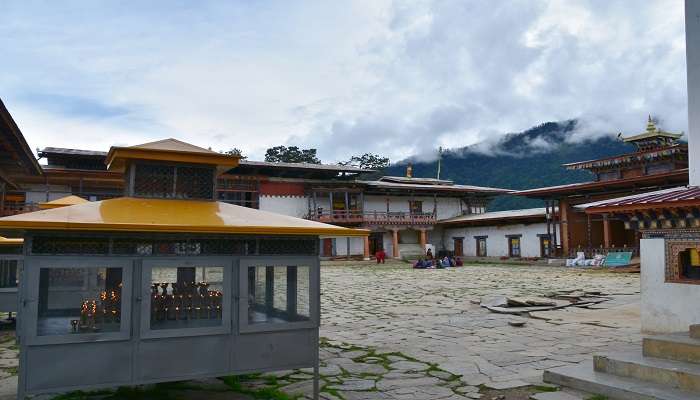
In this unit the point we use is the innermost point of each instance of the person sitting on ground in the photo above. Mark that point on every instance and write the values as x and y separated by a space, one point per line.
429 254
459 262
446 262
420 264
452 261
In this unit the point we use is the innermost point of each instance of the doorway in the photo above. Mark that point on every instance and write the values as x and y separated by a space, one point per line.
376 242
327 248
459 246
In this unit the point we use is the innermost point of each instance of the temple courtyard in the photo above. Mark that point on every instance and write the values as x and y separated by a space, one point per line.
391 332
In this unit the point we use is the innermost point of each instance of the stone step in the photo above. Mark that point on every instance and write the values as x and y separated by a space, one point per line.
676 346
694 331
676 374
583 377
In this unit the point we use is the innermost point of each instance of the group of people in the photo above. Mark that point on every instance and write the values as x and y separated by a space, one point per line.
430 262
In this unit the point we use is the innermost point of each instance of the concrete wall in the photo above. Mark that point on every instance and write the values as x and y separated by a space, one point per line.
341 246
497 242
692 48
666 307
295 206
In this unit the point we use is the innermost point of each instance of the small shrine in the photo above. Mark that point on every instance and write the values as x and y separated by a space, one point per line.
653 138
165 283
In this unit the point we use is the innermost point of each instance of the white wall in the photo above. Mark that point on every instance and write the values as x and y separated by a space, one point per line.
692 48
497 242
666 307
295 206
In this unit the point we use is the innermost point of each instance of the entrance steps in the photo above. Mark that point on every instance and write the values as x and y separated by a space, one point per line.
667 369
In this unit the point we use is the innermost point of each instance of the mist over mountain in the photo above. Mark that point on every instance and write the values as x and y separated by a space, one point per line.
524 160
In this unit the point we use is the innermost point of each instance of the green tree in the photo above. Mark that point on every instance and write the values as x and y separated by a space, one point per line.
291 154
368 161
235 152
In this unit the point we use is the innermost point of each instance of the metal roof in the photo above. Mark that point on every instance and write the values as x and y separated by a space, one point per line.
308 166
160 215
507 216
62 202
575 188
438 188
72 152
683 196
418 181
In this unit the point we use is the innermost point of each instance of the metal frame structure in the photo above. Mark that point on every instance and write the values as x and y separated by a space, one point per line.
138 355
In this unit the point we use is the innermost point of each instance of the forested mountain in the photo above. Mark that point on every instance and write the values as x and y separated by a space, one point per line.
519 161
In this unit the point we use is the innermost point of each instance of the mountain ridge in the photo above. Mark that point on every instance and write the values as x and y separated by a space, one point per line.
523 160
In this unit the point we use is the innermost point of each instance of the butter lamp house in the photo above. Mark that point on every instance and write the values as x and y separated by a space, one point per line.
165 283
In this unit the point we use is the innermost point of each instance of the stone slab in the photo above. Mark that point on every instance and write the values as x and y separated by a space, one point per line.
555 396
679 347
676 374
583 377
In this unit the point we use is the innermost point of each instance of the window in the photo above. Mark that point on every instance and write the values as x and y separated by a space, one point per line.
241 191
178 182
186 297
8 274
545 246
278 294
416 206
690 264
79 301
481 250
514 246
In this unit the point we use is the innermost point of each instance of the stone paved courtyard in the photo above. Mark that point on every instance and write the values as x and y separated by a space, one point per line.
391 332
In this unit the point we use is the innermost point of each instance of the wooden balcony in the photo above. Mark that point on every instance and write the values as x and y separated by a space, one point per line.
372 217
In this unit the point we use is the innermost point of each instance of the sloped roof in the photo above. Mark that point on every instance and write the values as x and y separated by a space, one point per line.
432 187
159 215
63 202
682 196
652 132
309 166
416 181
168 150
172 144
71 152
498 217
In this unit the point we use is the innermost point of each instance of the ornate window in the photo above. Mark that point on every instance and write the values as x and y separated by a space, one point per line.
683 261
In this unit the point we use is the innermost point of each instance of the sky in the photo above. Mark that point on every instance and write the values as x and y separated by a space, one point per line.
397 78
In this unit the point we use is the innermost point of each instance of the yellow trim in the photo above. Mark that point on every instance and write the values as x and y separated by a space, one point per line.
128 214
256 230
116 159
10 241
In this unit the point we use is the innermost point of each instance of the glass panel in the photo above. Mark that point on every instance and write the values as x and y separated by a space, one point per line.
8 273
278 294
79 300
186 297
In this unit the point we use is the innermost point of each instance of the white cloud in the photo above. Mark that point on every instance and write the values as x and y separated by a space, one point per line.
398 78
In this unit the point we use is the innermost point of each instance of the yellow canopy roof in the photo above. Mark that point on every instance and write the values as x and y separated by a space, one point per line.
10 241
159 215
168 150
62 202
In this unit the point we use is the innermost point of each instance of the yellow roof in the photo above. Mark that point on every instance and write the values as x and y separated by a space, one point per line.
10 241
168 150
62 202
159 215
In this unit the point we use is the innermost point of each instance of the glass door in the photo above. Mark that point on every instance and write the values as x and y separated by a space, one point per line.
186 297
279 293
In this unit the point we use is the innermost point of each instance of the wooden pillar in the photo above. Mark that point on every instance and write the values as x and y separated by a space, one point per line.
395 243
606 231
365 244
589 231
330 196
564 226
423 240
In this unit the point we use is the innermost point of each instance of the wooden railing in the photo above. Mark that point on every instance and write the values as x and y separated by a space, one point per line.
372 217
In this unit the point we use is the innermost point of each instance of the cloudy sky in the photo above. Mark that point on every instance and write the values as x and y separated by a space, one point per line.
398 78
